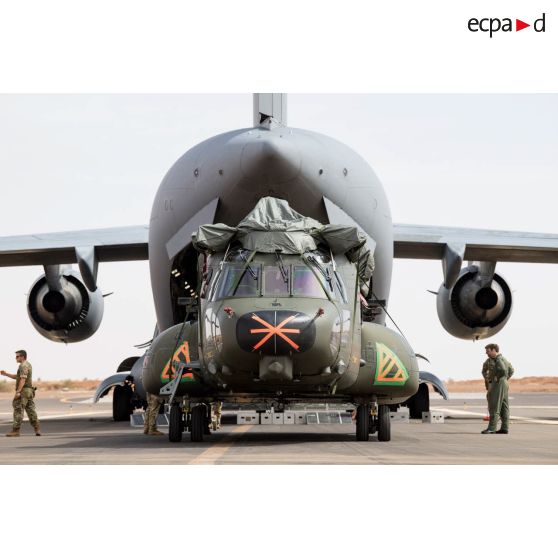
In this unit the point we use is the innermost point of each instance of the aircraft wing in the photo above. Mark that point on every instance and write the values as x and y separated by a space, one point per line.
108 245
410 242
452 243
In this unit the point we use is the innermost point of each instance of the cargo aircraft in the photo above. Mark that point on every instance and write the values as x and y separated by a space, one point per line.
270 251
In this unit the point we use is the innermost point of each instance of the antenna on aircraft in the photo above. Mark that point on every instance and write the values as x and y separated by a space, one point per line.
270 106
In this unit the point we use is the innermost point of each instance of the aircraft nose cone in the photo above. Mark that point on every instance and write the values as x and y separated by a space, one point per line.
270 159
275 332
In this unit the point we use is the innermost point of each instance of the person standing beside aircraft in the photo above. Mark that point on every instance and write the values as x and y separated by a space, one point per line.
487 367
216 408
153 404
498 371
24 395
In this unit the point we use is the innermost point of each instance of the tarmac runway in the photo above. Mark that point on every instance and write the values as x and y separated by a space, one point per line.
77 432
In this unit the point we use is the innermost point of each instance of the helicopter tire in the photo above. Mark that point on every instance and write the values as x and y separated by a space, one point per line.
363 422
384 424
176 424
198 423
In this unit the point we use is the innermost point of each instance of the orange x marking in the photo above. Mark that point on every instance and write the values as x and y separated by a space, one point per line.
275 330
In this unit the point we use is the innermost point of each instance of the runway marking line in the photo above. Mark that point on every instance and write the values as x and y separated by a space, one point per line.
67 415
512 417
215 452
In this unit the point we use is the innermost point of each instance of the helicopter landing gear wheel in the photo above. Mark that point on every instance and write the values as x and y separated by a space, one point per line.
363 422
384 424
176 424
198 423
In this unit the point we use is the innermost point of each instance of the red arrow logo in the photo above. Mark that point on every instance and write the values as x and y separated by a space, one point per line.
519 25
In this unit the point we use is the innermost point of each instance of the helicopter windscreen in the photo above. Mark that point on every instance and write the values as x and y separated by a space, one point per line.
276 283
305 283
238 280
241 277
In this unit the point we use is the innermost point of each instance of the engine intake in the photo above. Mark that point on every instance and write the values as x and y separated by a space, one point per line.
65 312
474 308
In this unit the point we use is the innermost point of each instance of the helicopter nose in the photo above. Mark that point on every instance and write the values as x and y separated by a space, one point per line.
275 332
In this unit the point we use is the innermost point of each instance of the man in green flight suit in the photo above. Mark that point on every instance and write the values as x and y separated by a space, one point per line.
496 371
24 395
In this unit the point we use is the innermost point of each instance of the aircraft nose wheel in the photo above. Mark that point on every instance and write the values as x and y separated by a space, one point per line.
197 429
176 424
363 422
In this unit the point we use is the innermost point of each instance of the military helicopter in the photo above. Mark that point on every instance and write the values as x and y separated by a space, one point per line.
278 320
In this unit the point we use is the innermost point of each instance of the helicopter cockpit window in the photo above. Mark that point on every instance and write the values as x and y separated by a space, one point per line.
239 280
276 280
305 283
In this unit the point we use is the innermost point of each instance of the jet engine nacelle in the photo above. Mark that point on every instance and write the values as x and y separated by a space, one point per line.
62 309
476 307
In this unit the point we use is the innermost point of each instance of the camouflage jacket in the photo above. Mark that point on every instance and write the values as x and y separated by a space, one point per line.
495 368
25 370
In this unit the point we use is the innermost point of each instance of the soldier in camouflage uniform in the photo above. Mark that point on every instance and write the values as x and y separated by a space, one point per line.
496 371
150 424
216 407
24 395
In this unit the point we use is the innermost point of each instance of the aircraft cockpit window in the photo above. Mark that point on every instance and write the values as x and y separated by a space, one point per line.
276 281
239 280
305 283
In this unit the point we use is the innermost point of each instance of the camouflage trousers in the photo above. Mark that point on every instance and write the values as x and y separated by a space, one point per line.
25 403
498 404
216 414
153 404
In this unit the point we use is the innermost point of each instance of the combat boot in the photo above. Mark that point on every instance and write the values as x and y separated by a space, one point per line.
488 431
13 434
38 430
155 433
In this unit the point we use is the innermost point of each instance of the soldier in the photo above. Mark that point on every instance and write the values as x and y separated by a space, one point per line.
24 395
498 370
216 407
129 384
153 404
486 368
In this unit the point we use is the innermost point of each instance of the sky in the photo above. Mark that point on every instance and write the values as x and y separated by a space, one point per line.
71 162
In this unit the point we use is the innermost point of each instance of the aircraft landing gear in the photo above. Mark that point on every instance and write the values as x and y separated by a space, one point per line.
176 423
384 424
207 423
121 403
199 420
367 423
419 403
363 422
